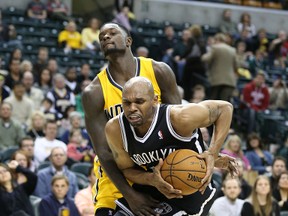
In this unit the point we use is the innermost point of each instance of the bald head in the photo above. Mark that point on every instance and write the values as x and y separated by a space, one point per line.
139 84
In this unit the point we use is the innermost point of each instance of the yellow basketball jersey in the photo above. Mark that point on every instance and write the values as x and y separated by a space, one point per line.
112 91
105 192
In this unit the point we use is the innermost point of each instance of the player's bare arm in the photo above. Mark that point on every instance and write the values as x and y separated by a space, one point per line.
132 171
192 116
95 121
167 83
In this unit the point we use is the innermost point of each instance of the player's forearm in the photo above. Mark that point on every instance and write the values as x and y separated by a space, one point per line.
139 176
221 129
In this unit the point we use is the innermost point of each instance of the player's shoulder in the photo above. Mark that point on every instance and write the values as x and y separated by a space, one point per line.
93 93
113 124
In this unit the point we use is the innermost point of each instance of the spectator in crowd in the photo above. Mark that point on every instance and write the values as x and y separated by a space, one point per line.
142 52
278 167
61 96
244 37
90 35
78 97
123 18
167 45
11 131
49 112
8 34
36 10
283 151
229 204
257 62
245 185
178 55
58 10
242 55
57 202
222 68
181 92
36 128
260 41
44 82
14 73
198 94
24 161
4 90
280 193
205 135
76 120
71 80
119 4
70 38
194 70
256 97
245 23
44 145
33 93
278 95
279 49
233 148
14 199
41 61
227 26
260 159
53 67
26 65
261 200
16 54
58 158
85 73
27 145
22 106
83 199
78 148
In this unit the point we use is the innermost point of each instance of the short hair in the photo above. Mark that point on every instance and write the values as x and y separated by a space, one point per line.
252 136
122 27
59 177
74 114
227 178
23 139
18 83
13 157
277 158
50 121
7 103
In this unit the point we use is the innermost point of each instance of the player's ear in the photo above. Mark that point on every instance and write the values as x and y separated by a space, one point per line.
155 100
129 41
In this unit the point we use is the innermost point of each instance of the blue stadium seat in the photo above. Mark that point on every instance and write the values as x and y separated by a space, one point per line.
81 167
7 153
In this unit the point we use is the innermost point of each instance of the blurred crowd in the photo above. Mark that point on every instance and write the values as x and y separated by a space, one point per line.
42 132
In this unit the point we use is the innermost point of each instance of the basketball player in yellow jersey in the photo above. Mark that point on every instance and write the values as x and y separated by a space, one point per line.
102 101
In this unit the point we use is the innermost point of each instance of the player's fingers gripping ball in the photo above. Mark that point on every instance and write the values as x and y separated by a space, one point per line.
184 171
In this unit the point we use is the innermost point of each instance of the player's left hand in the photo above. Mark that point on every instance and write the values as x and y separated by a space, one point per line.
228 163
209 159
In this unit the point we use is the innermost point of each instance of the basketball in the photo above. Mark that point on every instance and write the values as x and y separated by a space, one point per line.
184 171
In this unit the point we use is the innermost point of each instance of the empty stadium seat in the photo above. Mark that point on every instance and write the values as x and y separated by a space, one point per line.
7 153
81 167
82 180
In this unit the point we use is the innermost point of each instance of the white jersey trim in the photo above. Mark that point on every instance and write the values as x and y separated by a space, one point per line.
149 132
123 132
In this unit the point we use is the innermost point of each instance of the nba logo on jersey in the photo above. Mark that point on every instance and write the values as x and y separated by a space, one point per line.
160 135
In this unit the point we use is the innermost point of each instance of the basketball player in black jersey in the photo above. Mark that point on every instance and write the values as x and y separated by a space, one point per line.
147 132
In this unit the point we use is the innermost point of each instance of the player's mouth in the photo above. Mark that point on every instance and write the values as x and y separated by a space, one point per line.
134 118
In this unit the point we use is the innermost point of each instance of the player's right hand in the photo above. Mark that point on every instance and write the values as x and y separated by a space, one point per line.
164 187
143 204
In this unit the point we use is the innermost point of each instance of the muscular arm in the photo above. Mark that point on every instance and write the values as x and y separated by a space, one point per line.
95 121
131 170
167 83
185 119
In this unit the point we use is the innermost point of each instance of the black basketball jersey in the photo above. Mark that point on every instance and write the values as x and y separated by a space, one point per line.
159 141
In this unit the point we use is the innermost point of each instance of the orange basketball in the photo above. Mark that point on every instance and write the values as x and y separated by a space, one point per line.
184 171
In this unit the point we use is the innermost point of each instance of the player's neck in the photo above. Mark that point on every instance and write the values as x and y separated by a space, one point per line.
122 64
